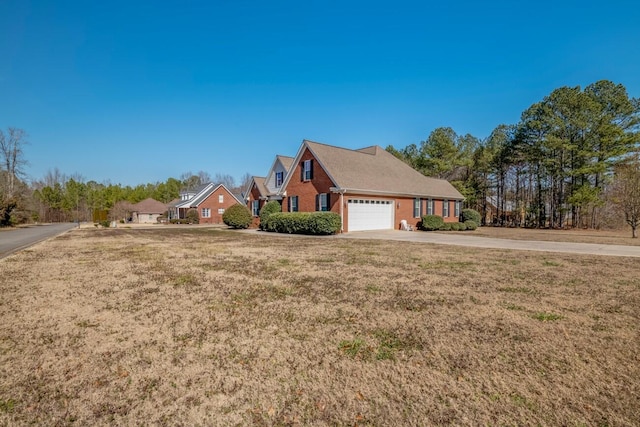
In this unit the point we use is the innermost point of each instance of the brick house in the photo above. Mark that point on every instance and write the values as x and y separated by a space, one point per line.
210 201
370 188
263 189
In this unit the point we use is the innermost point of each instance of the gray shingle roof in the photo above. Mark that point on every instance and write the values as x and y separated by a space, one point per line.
149 206
374 170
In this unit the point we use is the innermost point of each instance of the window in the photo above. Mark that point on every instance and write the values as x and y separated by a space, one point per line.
445 208
279 178
429 207
457 209
221 198
255 207
220 211
416 208
307 170
322 202
293 204
205 213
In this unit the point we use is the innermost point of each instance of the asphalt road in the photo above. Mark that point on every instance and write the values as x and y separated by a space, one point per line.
20 238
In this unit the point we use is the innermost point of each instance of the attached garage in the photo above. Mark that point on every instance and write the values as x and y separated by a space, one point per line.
367 214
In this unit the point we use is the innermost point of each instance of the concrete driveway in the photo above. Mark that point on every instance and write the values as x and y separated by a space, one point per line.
20 238
462 239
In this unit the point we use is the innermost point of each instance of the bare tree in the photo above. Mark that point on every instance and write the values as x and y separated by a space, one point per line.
12 165
205 178
12 158
121 211
244 181
225 179
626 193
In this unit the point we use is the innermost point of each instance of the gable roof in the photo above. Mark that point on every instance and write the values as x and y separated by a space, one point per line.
203 194
259 183
149 206
373 170
286 161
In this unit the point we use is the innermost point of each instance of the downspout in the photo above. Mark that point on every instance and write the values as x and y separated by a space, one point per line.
342 212
340 191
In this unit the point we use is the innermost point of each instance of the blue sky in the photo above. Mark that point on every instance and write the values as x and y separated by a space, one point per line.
133 92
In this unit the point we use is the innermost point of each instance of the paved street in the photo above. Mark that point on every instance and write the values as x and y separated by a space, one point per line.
23 237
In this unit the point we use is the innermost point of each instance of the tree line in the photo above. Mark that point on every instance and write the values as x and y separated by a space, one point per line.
57 197
560 166
555 168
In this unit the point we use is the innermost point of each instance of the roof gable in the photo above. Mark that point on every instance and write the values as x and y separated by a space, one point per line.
258 182
205 193
280 164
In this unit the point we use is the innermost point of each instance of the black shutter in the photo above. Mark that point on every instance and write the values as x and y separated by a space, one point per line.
288 204
317 202
328 201
310 169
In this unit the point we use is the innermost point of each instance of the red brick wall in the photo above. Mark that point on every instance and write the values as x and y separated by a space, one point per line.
254 194
212 203
307 190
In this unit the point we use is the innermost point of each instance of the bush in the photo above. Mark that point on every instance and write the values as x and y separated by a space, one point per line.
471 225
237 216
446 227
462 226
192 216
432 222
180 221
457 226
316 223
266 211
471 214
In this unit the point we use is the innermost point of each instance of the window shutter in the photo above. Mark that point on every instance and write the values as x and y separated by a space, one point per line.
328 201
317 202
288 204
310 169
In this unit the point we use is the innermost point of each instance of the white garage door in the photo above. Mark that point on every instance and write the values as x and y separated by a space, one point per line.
370 214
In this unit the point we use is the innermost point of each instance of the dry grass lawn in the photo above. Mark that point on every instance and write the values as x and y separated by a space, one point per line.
205 327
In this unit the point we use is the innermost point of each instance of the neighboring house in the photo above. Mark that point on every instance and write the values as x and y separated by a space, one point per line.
263 189
370 188
147 211
210 201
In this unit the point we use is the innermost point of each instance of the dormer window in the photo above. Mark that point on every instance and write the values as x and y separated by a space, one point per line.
279 178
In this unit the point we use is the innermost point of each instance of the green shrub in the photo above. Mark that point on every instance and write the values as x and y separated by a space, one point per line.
456 226
432 222
470 224
462 226
471 214
266 211
446 227
237 216
316 223
192 216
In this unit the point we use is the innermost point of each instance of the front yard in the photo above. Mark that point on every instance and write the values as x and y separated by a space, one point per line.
182 326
